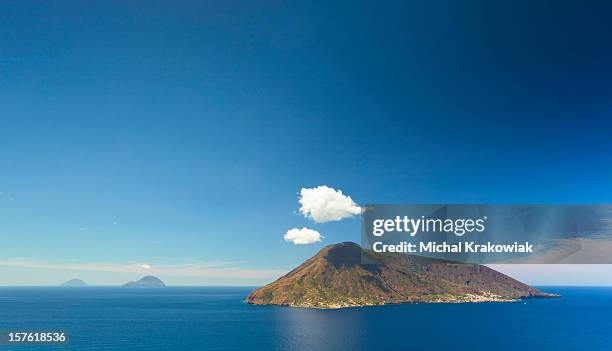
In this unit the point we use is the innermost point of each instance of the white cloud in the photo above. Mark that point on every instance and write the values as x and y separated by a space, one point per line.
145 266
302 236
325 204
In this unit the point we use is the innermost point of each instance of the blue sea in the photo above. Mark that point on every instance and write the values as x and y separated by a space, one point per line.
216 318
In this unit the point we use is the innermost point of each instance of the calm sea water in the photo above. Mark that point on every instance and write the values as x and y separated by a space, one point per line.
207 318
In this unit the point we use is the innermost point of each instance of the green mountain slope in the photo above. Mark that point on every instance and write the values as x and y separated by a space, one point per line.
336 277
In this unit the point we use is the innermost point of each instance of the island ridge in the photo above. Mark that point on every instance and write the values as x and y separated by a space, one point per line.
338 277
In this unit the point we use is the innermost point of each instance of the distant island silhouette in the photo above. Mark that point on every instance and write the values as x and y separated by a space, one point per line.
74 282
147 281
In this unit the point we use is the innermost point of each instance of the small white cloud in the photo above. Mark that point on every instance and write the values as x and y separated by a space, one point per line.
325 204
302 236
145 266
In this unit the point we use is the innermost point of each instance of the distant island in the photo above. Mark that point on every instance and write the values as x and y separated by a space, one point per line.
74 282
336 277
147 281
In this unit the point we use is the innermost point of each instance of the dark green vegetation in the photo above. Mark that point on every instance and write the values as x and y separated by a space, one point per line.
338 276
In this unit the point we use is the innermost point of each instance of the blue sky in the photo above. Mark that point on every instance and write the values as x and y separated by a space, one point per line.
179 135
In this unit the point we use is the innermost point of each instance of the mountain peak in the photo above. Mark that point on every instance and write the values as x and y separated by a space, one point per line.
74 282
338 277
346 254
146 281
